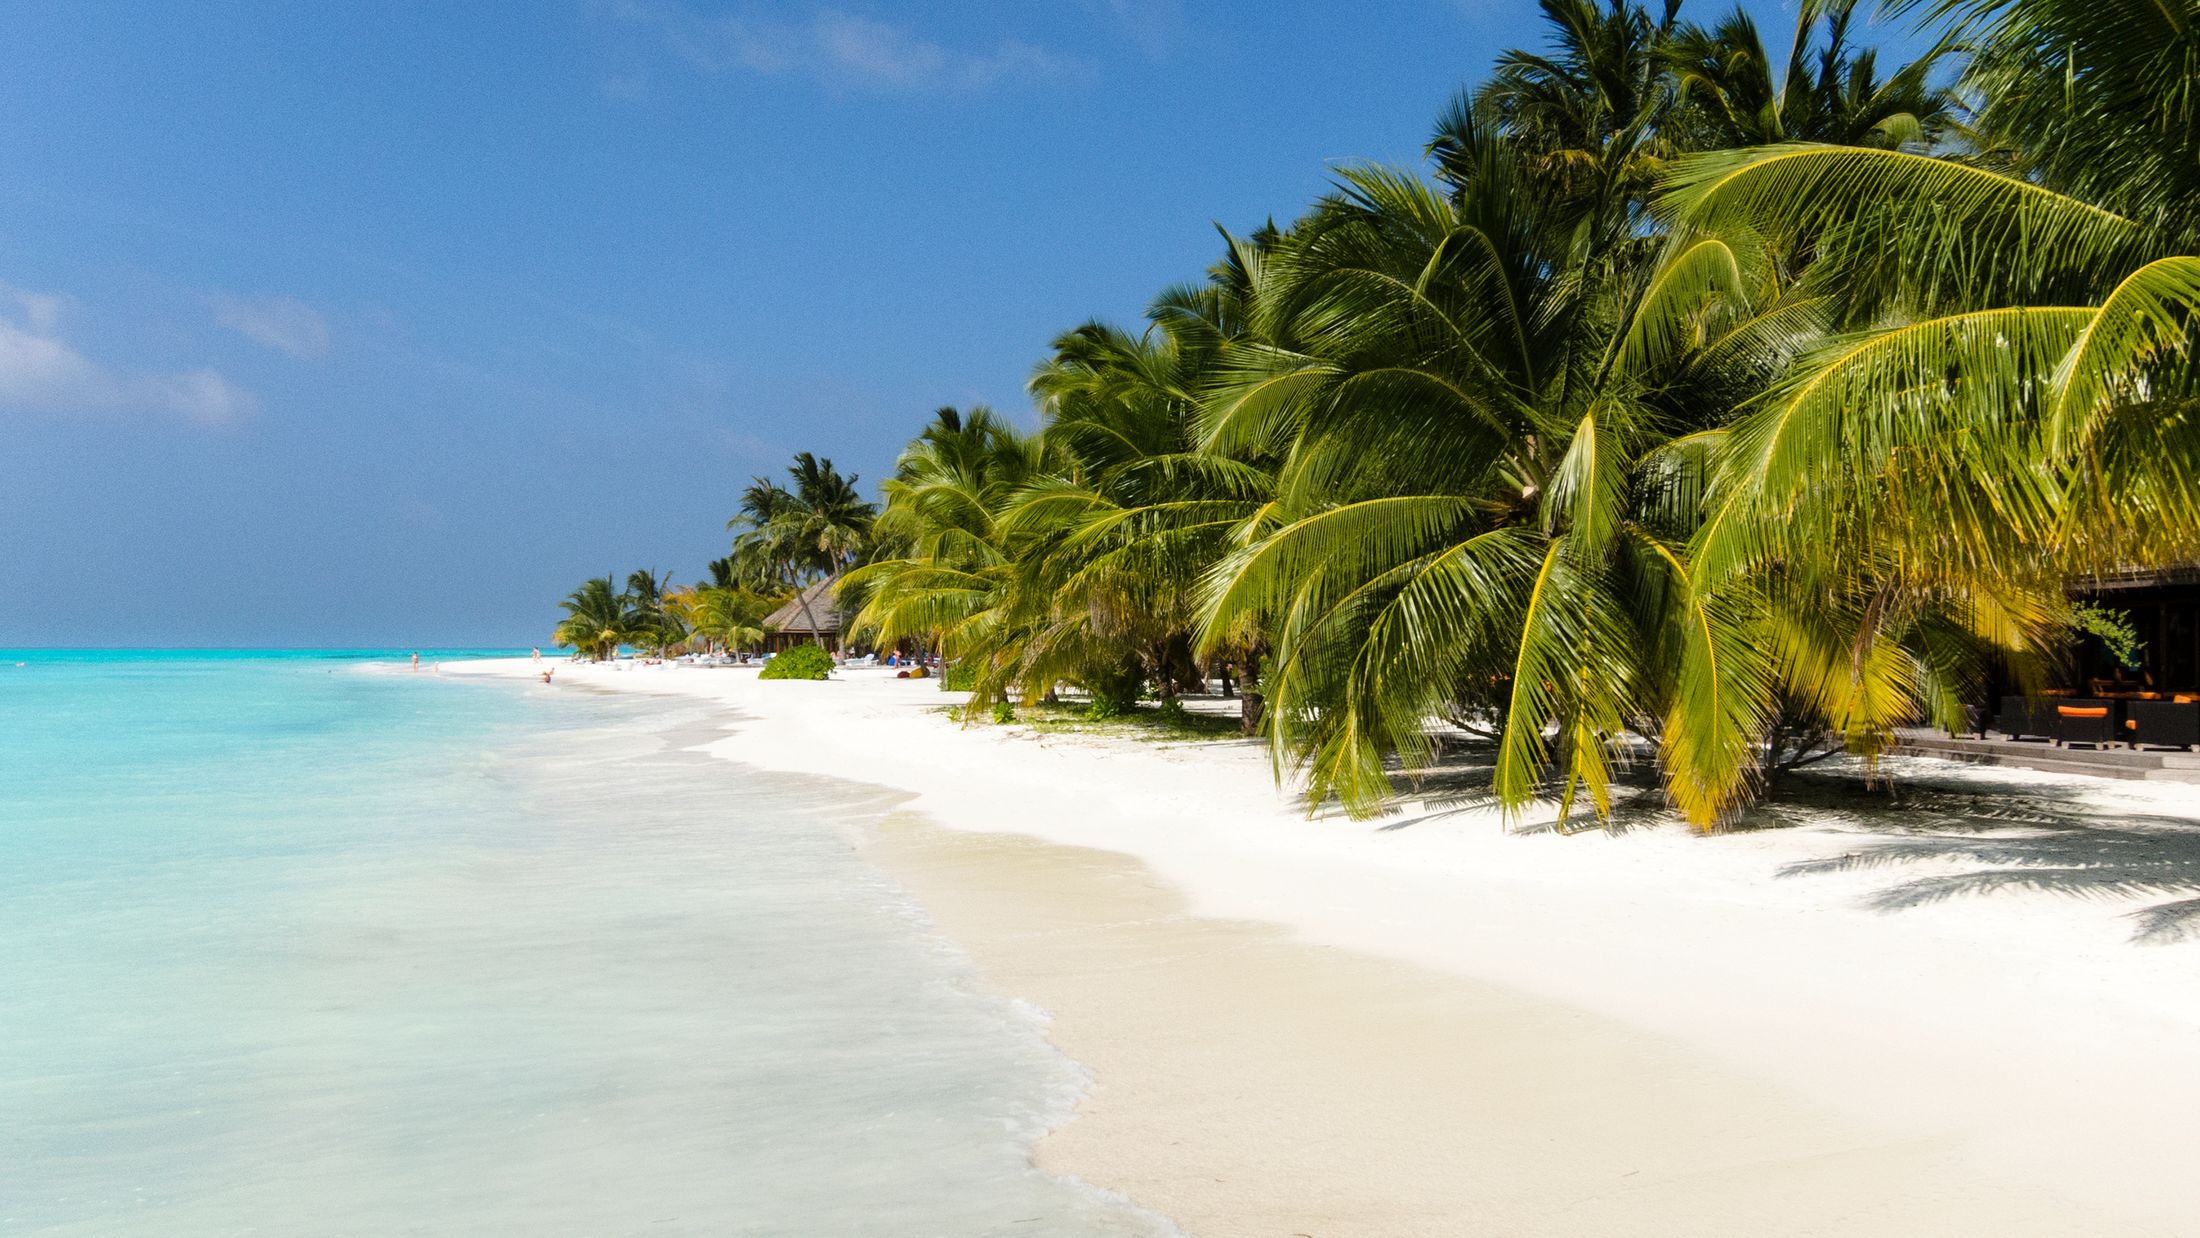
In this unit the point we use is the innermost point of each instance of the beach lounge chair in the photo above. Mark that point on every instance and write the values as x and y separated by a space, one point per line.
2023 716
2162 724
2088 720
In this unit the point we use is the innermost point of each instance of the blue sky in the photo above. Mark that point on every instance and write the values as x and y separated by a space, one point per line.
382 323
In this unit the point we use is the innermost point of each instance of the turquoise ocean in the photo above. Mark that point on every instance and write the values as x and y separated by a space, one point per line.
307 943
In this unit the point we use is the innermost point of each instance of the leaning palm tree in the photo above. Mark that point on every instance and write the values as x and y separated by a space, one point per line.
1496 402
2007 402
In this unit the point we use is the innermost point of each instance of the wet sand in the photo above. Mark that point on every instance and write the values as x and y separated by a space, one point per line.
1251 1084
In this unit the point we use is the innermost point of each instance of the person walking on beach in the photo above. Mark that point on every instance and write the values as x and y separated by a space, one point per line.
416 659
538 655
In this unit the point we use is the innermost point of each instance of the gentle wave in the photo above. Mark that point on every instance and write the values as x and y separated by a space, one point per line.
300 952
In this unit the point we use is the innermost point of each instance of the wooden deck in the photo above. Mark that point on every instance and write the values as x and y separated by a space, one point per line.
2149 765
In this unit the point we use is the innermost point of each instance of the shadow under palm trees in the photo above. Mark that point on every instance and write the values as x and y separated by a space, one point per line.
2002 835
1459 784
2010 837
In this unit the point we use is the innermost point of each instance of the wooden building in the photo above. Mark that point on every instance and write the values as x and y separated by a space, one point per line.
2164 607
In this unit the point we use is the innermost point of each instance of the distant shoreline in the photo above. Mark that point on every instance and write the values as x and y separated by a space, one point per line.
1648 1033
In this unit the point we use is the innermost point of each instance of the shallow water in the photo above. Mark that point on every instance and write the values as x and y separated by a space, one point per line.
289 946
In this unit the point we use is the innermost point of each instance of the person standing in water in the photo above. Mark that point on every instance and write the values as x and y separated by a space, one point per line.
416 659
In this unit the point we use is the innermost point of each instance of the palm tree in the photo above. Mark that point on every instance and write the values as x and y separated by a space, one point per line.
2007 402
1076 555
792 537
727 617
599 618
1495 406
1587 117
1119 542
835 516
1829 92
649 592
941 572
1486 435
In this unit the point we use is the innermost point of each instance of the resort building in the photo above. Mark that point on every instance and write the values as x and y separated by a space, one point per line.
2164 607
809 617
2096 715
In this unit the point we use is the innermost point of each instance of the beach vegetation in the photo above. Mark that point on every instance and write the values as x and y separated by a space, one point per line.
723 617
799 662
1695 412
600 617
789 536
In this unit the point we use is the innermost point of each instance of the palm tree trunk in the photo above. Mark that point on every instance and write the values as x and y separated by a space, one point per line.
802 600
1252 704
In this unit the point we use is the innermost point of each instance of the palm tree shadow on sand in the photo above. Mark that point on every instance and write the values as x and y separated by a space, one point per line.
2007 837
2003 836
1459 785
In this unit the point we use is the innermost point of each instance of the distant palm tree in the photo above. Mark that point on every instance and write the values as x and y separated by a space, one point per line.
649 591
599 618
730 618
943 559
792 537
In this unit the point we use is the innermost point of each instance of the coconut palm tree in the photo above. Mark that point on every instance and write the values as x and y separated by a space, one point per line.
2007 401
1586 117
834 515
940 571
1122 537
650 593
793 537
599 618
1496 399
1075 555
1730 95
727 617
1487 434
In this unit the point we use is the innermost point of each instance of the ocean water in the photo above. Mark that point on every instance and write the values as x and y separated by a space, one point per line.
312 944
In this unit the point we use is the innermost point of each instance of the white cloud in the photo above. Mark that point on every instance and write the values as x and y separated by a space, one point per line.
42 372
842 51
202 395
283 323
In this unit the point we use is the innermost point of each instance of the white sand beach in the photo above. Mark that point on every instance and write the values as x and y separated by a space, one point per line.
1943 1021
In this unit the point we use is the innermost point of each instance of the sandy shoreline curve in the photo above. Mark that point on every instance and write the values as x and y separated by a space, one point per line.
1429 1025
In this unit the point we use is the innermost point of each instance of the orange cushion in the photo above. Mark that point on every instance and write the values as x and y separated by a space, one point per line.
2082 711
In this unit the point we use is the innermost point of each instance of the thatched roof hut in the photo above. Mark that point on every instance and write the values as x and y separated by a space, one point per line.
789 625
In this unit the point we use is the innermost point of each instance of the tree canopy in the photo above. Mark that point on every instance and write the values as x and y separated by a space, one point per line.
1696 408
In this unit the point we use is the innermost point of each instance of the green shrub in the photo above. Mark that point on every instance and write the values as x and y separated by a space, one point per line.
1171 712
800 662
960 677
1003 712
1114 689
